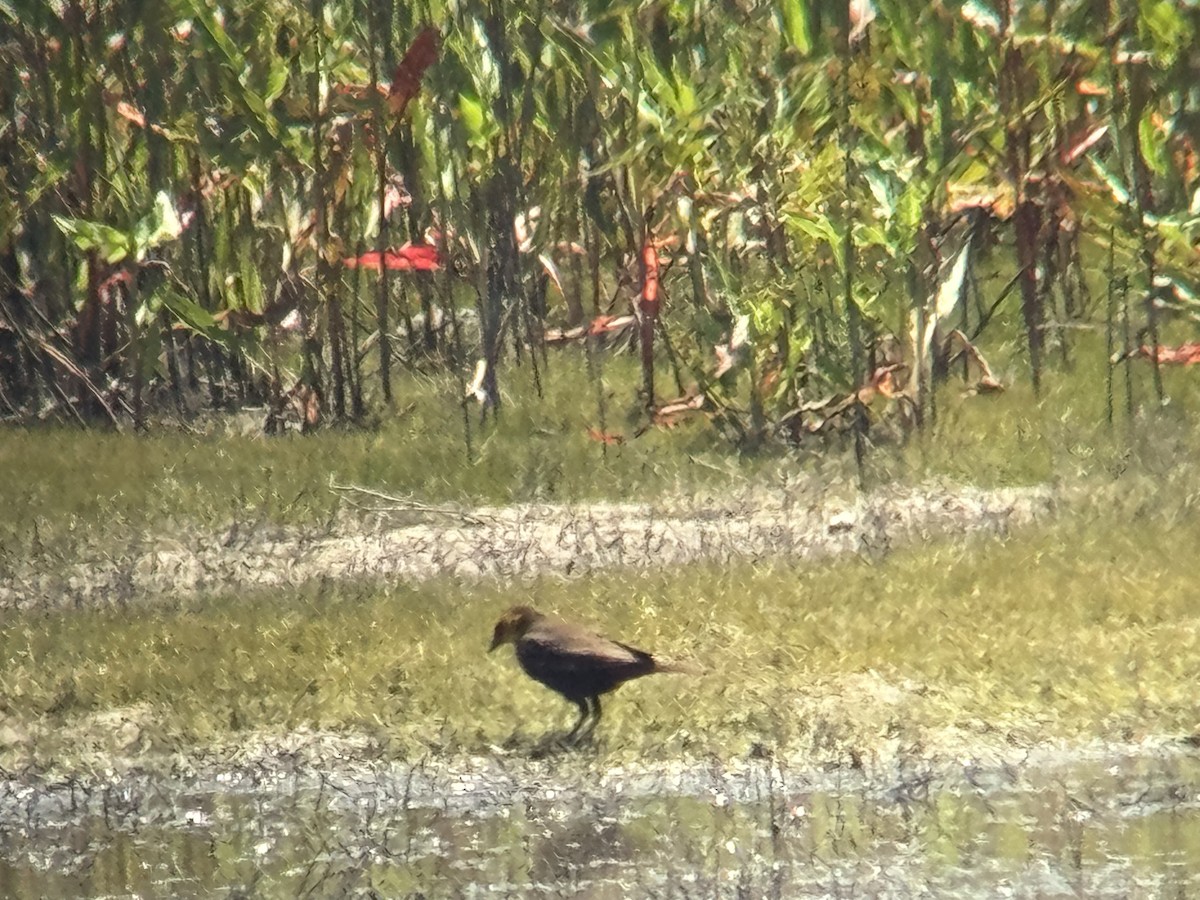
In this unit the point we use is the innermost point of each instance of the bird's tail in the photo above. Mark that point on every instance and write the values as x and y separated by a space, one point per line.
677 666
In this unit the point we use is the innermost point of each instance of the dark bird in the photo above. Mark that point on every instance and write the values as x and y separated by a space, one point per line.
579 664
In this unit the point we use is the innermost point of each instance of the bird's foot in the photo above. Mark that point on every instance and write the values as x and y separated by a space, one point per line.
549 747
560 744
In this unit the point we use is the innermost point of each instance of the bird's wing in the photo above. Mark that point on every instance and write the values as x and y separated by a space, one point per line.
568 656
641 657
588 649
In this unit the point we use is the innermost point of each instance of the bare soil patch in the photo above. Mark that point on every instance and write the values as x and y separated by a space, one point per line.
516 541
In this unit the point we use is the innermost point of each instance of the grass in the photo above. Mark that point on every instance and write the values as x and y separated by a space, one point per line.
1080 628
75 488
1084 628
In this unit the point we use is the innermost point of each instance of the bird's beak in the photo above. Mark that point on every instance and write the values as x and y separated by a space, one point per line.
496 642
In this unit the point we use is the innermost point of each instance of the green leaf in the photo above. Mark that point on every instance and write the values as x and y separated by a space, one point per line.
1153 144
796 25
52 170
1115 184
1167 26
258 106
277 79
881 190
112 243
187 311
909 205
872 235
819 229
235 65
685 95
160 225
148 351
470 111
648 114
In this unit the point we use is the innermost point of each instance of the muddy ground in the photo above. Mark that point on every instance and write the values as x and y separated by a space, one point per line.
872 806
1095 820
849 716
859 720
408 541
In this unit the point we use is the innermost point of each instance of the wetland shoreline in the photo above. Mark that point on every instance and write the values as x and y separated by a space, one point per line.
864 779
520 541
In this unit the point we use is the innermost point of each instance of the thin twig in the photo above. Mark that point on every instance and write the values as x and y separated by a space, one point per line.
404 504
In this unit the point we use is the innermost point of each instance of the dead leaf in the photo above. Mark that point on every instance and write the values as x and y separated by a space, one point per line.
607 438
291 322
1187 354
395 195
1084 144
609 324
475 388
132 113
406 80
883 379
562 335
649 292
551 270
410 257
669 413
988 383
524 225
307 402
725 359
728 355
862 14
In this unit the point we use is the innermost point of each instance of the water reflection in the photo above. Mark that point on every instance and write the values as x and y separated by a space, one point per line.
1114 828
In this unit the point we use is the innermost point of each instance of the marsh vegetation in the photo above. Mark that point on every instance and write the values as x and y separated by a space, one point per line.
668 257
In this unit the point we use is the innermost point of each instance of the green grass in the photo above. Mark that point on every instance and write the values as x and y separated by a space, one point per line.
69 487
73 486
1080 628
1084 628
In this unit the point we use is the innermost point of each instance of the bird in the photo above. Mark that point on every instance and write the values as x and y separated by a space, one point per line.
577 663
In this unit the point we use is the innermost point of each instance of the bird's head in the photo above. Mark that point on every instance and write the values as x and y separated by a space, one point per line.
513 625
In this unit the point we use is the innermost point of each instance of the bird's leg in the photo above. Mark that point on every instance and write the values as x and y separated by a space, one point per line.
584 710
596 714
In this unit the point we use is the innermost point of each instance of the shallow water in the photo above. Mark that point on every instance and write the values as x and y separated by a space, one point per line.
1104 826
